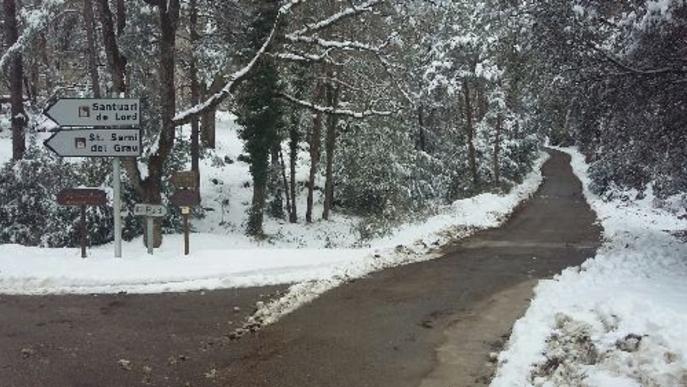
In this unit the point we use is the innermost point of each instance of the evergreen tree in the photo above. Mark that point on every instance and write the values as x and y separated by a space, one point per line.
260 115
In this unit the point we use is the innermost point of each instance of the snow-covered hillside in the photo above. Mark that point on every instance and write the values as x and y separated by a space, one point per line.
226 191
620 319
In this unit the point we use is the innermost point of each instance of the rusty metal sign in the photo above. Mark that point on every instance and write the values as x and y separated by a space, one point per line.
185 198
185 180
82 197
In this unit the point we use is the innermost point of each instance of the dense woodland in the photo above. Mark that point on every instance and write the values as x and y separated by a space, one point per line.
400 105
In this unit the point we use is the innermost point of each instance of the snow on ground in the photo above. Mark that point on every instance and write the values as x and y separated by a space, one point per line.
214 264
320 255
315 257
620 319
234 260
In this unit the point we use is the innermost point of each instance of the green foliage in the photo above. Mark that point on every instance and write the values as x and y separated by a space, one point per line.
260 115
375 173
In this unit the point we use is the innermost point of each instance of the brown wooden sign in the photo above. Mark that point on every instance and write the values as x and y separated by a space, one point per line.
185 198
186 179
82 197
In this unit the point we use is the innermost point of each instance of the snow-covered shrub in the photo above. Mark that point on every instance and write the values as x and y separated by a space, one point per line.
29 213
374 172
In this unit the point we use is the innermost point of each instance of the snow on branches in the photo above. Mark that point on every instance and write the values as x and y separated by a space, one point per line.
307 36
33 22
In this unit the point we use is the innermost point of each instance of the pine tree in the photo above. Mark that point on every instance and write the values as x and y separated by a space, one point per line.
260 115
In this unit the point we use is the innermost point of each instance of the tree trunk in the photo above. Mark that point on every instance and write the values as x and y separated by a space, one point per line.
90 47
34 81
276 208
16 76
255 215
195 88
168 15
294 139
497 149
289 209
116 61
314 141
472 162
121 17
43 49
421 139
330 144
208 127
482 102
208 119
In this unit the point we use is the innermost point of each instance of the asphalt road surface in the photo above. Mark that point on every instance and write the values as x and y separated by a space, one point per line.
426 324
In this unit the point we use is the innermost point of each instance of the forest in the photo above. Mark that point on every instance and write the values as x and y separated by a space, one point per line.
393 107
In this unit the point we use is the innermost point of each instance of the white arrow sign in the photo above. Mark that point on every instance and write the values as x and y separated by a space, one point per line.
152 210
96 112
96 143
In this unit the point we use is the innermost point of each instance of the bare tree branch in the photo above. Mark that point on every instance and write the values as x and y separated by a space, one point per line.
235 78
348 12
333 110
618 62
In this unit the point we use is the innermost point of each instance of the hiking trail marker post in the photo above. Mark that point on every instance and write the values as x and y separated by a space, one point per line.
82 197
150 211
98 127
185 197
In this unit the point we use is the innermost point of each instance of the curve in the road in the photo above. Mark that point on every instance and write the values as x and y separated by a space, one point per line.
425 324
431 323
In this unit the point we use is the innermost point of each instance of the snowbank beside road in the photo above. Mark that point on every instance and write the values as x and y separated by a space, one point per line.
213 265
620 319
229 260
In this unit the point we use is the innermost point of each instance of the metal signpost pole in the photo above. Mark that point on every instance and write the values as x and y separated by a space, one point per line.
150 231
116 182
117 202
83 231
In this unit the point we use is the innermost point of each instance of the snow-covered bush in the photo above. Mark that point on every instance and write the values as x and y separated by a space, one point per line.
375 171
29 213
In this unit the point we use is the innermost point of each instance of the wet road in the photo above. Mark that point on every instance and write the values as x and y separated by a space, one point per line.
425 324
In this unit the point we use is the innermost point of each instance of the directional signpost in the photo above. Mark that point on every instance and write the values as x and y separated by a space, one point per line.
150 211
96 143
98 127
82 197
100 112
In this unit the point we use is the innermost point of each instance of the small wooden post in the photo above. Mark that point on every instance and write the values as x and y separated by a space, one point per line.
186 212
83 231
